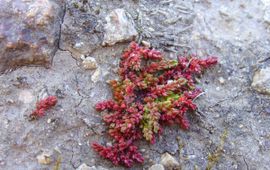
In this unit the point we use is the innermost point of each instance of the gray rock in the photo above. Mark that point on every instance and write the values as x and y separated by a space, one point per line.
119 27
157 167
86 167
261 81
29 32
169 161
81 32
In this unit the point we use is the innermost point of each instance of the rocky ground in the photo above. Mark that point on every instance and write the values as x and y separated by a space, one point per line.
83 47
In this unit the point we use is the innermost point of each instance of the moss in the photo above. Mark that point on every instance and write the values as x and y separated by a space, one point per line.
214 157
57 165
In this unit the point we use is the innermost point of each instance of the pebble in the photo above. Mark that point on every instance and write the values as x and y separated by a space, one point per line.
221 80
108 144
49 121
157 167
86 167
261 81
169 161
96 76
83 167
44 158
146 44
89 63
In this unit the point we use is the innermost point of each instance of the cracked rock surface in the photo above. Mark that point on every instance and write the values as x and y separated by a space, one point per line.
237 32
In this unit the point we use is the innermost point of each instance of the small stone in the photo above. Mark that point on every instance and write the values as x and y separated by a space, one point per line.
151 29
169 161
10 101
261 81
83 57
146 44
86 167
44 158
221 80
119 27
224 11
83 167
95 77
108 144
89 63
157 167
49 121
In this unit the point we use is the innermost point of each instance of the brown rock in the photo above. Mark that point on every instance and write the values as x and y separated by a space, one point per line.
29 32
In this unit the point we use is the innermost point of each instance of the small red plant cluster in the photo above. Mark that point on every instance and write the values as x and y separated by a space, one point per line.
42 106
151 92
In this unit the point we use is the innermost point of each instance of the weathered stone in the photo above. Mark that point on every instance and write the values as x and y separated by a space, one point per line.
86 167
119 27
81 32
89 63
96 76
45 158
169 161
146 44
29 32
261 81
157 167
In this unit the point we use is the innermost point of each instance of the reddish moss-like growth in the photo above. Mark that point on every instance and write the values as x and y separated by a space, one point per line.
150 93
42 106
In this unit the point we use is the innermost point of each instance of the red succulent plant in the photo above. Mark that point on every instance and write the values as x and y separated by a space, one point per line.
42 106
151 92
